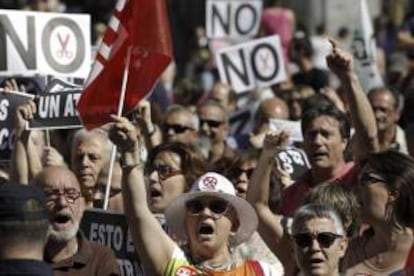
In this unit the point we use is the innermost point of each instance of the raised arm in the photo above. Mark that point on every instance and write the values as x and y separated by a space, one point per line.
19 167
270 227
362 115
153 245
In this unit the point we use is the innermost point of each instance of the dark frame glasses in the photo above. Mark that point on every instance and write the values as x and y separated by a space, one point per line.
218 207
210 123
237 172
175 127
71 195
325 239
164 171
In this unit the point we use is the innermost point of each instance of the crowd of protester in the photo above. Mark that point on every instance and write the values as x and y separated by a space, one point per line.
201 198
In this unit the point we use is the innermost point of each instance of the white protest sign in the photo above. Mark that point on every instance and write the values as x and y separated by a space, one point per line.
44 43
254 64
233 19
365 50
293 127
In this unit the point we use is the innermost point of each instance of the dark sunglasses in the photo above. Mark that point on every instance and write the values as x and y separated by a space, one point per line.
210 123
176 128
163 171
365 179
325 239
217 206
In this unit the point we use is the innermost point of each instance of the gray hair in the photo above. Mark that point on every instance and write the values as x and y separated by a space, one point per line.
176 108
312 211
84 133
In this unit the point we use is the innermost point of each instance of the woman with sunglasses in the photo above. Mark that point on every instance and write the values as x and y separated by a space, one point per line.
210 220
386 244
170 170
319 240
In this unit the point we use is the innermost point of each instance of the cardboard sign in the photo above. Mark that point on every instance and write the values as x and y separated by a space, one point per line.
294 161
111 230
293 127
254 64
8 104
56 107
44 43
365 51
233 19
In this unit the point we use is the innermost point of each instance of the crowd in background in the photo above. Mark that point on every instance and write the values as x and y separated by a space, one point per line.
201 197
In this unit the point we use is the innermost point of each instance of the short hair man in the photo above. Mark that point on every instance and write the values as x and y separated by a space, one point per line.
319 240
90 151
225 95
67 250
326 131
214 124
180 125
384 102
23 230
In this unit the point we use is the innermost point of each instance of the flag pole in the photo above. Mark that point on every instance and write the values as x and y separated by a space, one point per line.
119 113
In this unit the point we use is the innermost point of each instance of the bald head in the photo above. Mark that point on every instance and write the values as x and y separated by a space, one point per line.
274 108
56 176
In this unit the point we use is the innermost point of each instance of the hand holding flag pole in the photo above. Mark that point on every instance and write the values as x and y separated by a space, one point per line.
137 43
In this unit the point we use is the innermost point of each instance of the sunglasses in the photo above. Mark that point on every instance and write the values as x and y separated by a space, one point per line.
369 179
176 128
217 206
210 123
325 239
163 171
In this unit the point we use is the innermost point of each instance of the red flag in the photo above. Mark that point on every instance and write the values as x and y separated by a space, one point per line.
142 25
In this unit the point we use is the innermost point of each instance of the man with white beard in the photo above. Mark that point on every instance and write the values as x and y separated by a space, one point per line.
67 250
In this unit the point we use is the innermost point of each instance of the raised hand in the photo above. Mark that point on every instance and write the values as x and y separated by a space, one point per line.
275 141
23 114
51 157
124 134
339 61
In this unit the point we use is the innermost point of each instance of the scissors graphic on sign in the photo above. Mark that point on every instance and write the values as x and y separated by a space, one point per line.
64 52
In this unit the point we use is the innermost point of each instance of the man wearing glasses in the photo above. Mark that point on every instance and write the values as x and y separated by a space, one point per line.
319 240
180 125
215 127
67 250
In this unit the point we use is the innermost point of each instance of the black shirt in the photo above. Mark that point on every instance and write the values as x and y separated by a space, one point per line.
25 267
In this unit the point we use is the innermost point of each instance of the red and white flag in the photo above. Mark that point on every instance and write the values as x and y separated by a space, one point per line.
142 25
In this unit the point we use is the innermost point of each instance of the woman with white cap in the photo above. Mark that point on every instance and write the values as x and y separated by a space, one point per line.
208 221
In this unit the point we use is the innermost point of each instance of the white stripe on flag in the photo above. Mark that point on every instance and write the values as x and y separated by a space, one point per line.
120 5
114 23
96 70
105 50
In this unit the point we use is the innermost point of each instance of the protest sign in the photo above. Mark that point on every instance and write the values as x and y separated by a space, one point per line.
254 64
44 43
8 104
112 230
56 107
233 19
293 127
365 50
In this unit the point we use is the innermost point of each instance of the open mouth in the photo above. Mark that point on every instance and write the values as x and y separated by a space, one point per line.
61 219
155 193
316 261
206 229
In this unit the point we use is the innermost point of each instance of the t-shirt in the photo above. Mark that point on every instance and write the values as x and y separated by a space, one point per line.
294 195
180 265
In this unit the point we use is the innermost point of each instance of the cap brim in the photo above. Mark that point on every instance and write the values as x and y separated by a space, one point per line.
175 215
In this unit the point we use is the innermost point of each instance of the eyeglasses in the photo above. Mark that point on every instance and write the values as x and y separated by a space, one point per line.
238 172
365 179
163 171
176 128
325 239
210 123
71 195
217 206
